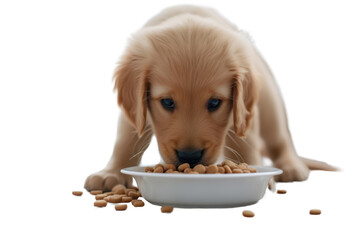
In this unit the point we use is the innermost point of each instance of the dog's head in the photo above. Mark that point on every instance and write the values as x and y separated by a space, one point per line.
190 82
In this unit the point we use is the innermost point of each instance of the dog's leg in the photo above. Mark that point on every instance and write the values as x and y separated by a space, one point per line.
128 150
276 135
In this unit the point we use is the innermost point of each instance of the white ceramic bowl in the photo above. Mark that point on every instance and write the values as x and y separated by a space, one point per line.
203 190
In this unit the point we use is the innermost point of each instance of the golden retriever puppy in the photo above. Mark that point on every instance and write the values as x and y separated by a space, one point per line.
199 84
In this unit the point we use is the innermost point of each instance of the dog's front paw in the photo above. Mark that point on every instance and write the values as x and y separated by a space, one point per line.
106 179
292 171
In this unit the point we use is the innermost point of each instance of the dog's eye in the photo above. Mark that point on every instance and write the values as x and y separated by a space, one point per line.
213 104
168 104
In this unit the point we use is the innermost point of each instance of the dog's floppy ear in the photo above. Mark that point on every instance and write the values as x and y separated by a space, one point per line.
244 94
131 85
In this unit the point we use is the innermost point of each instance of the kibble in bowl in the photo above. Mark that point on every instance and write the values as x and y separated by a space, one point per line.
207 190
225 167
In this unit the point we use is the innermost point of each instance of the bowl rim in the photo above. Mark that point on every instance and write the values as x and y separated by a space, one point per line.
268 171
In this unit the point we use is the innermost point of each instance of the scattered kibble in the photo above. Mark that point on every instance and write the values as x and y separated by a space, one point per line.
315 212
167 209
121 194
96 192
120 207
248 214
126 199
137 203
77 193
100 203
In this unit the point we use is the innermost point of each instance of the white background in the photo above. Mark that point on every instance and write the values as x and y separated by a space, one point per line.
58 117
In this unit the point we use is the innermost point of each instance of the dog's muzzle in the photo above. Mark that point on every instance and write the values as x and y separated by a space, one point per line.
192 157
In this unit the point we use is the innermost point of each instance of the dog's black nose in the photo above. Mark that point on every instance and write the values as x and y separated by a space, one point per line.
192 157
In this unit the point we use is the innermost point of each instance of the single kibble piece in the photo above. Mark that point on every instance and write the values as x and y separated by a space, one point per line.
158 170
114 198
100 203
229 163
243 166
134 195
280 191
237 170
221 169
212 169
159 165
96 192
126 199
100 196
187 170
120 207
149 169
248 213
127 191
183 166
169 171
118 189
315 211
252 170
167 209
77 193
199 168
111 198
137 203
169 166
227 169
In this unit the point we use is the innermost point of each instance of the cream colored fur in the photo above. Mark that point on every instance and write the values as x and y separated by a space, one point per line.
192 54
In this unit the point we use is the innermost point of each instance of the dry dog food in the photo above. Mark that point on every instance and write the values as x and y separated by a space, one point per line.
137 203
226 166
127 191
100 203
120 207
114 198
200 168
227 169
126 199
95 192
167 209
315 212
169 166
212 169
77 193
158 170
100 196
183 166
134 195
248 213
221 169
118 194
281 191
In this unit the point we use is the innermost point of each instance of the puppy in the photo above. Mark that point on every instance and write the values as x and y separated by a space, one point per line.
199 84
